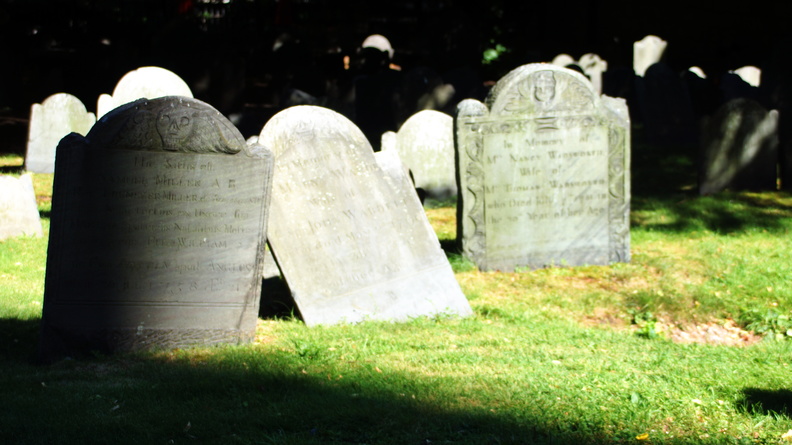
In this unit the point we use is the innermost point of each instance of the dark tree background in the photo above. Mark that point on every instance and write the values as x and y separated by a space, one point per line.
225 49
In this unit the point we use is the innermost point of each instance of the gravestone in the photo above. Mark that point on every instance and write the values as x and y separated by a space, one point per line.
157 233
647 52
593 66
19 214
666 107
145 82
352 241
51 120
751 74
563 60
425 144
739 148
543 170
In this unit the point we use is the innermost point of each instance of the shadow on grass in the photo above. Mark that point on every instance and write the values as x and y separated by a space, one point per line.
765 401
240 395
727 212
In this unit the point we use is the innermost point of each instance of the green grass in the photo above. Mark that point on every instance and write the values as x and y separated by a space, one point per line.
579 355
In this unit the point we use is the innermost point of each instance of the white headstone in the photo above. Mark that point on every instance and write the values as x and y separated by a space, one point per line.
647 52
544 171
750 74
19 214
146 82
563 60
593 66
697 71
425 144
380 42
59 115
351 239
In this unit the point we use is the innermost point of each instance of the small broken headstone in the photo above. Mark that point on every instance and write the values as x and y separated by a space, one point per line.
19 214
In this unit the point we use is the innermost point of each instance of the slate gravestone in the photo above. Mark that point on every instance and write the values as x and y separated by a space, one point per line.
352 241
647 52
19 214
739 148
51 120
666 107
543 172
157 232
425 144
145 82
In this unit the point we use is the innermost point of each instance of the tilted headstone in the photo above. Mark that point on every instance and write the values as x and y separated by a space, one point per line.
647 52
352 241
739 148
19 214
147 82
157 234
51 120
544 173
425 144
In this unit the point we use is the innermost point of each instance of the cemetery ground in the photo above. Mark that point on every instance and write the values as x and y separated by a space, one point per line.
689 343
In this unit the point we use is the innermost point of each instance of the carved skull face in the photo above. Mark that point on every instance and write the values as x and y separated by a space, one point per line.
175 126
544 86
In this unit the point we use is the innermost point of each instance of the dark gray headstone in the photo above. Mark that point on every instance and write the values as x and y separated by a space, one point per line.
739 148
19 214
351 238
666 107
157 233
543 173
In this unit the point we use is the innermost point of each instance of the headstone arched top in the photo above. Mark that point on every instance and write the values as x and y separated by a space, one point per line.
171 123
145 82
541 89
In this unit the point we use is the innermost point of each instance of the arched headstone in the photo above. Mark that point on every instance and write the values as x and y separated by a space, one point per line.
425 143
157 233
350 235
51 120
147 82
543 172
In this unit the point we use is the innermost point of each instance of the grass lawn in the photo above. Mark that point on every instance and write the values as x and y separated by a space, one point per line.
687 344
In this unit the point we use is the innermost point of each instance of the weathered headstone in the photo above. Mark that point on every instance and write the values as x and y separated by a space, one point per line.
51 120
19 214
425 144
157 234
543 172
647 52
352 241
739 148
145 82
